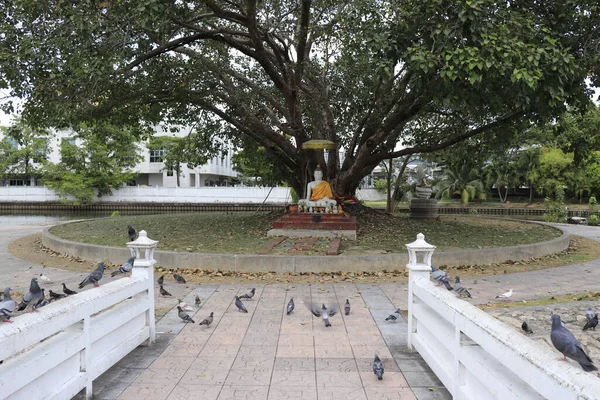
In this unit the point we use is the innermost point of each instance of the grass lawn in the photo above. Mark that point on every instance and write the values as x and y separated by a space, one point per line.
245 232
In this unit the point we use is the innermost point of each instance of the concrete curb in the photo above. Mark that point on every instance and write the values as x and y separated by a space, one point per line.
299 264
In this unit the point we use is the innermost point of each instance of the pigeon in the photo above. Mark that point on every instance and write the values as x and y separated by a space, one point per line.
347 307
161 280
45 279
249 295
441 277
591 324
323 312
32 297
179 278
7 306
131 232
42 300
589 314
394 316
183 305
184 316
94 276
55 296
68 291
290 306
125 268
565 342
526 328
505 296
208 320
378 367
460 289
197 301
163 292
240 305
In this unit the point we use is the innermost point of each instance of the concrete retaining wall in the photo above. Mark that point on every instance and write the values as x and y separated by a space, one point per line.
296 264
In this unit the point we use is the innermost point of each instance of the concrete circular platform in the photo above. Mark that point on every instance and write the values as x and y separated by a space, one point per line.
299 264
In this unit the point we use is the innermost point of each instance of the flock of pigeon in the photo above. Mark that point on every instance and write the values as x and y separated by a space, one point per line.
35 297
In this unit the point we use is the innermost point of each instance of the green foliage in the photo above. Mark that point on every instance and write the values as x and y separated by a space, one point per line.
365 75
22 150
554 172
555 212
380 185
257 166
115 214
101 161
593 220
460 184
294 196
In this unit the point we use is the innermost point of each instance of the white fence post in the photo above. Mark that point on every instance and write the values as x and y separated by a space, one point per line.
143 266
419 267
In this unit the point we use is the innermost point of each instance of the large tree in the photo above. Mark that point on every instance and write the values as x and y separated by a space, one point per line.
365 74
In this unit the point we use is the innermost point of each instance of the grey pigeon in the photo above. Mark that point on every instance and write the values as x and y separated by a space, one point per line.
7 306
440 277
290 306
163 292
394 316
592 323
208 320
197 301
565 342
125 268
589 314
184 316
131 233
94 276
32 297
56 296
249 295
460 289
40 301
68 291
161 280
378 367
323 312
179 278
347 307
240 305
526 328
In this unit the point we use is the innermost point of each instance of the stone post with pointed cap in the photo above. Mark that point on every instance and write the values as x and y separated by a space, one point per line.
419 267
143 267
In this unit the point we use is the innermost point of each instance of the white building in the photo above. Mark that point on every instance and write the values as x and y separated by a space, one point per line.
152 172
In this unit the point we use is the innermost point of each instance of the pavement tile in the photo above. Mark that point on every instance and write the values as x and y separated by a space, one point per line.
295 351
292 393
258 351
244 393
147 391
249 363
205 377
170 375
194 392
333 352
208 362
390 380
170 362
294 364
336 364
429 394
329 379
293 378
390 394
253 377
342 393
296 339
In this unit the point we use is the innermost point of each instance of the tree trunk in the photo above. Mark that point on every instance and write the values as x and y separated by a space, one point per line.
389 206
530 193
398 181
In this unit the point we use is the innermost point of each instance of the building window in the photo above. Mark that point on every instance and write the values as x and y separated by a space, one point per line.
17 182
70 140
170 172
156 156
12 142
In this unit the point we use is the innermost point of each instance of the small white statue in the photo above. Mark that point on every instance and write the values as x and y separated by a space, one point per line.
319 194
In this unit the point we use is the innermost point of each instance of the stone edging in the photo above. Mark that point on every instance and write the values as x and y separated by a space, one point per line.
297 264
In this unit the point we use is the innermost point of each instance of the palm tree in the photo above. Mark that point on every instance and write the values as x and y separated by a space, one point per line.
460 183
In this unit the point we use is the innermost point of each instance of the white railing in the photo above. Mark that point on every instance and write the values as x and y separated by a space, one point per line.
155 194
479 357
57 352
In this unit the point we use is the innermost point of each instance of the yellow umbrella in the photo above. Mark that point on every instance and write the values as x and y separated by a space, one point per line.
319 144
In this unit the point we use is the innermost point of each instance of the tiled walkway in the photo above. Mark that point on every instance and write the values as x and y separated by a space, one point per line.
267 354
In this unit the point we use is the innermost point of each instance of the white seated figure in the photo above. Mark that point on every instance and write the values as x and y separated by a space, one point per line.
318 194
